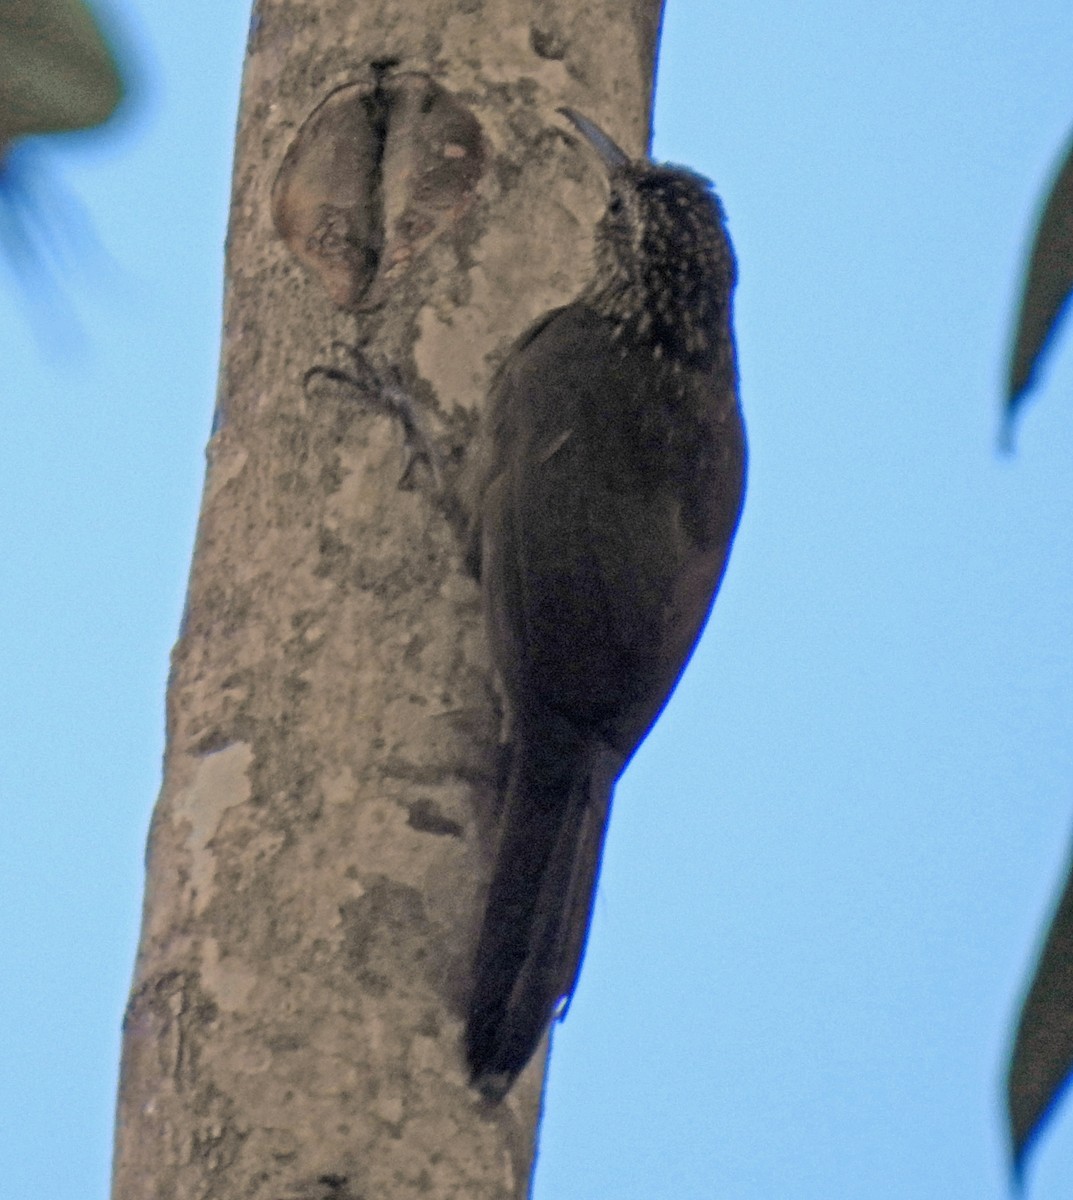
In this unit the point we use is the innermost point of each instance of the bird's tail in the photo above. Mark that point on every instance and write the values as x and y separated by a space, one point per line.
536 920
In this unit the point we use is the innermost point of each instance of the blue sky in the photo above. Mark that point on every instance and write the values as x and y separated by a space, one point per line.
829 865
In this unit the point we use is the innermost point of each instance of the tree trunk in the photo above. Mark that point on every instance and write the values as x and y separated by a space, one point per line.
322 841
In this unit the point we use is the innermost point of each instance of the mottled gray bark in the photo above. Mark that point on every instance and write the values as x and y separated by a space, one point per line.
322 841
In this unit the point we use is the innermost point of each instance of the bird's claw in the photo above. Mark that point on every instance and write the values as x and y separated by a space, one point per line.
363 378
417 442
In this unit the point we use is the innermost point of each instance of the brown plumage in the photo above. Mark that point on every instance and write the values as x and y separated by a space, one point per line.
611 490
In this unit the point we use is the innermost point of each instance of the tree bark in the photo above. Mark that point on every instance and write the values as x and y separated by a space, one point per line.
322 841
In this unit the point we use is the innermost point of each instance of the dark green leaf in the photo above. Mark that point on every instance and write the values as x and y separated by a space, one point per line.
1043 1049
56 70
1048 283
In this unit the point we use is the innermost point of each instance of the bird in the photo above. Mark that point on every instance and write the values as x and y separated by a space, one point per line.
606 497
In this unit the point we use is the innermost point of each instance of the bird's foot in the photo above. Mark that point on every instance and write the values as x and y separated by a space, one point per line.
384 389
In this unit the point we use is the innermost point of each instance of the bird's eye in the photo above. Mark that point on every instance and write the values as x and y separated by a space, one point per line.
614 204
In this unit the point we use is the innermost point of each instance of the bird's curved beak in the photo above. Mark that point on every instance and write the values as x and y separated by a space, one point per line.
612 156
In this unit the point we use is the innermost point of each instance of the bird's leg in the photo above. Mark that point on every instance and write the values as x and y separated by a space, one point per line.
384 389
418 444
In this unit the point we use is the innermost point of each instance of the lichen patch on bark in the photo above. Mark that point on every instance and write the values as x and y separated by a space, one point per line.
219 782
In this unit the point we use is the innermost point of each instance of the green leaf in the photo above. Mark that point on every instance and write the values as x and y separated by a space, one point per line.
1043 1048
1048 283
56 70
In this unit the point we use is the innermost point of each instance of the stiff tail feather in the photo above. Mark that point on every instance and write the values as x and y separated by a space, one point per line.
539 905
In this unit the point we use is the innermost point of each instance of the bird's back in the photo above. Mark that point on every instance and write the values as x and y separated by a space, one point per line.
618 491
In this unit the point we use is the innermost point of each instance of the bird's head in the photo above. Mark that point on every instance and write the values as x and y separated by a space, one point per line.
664 265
